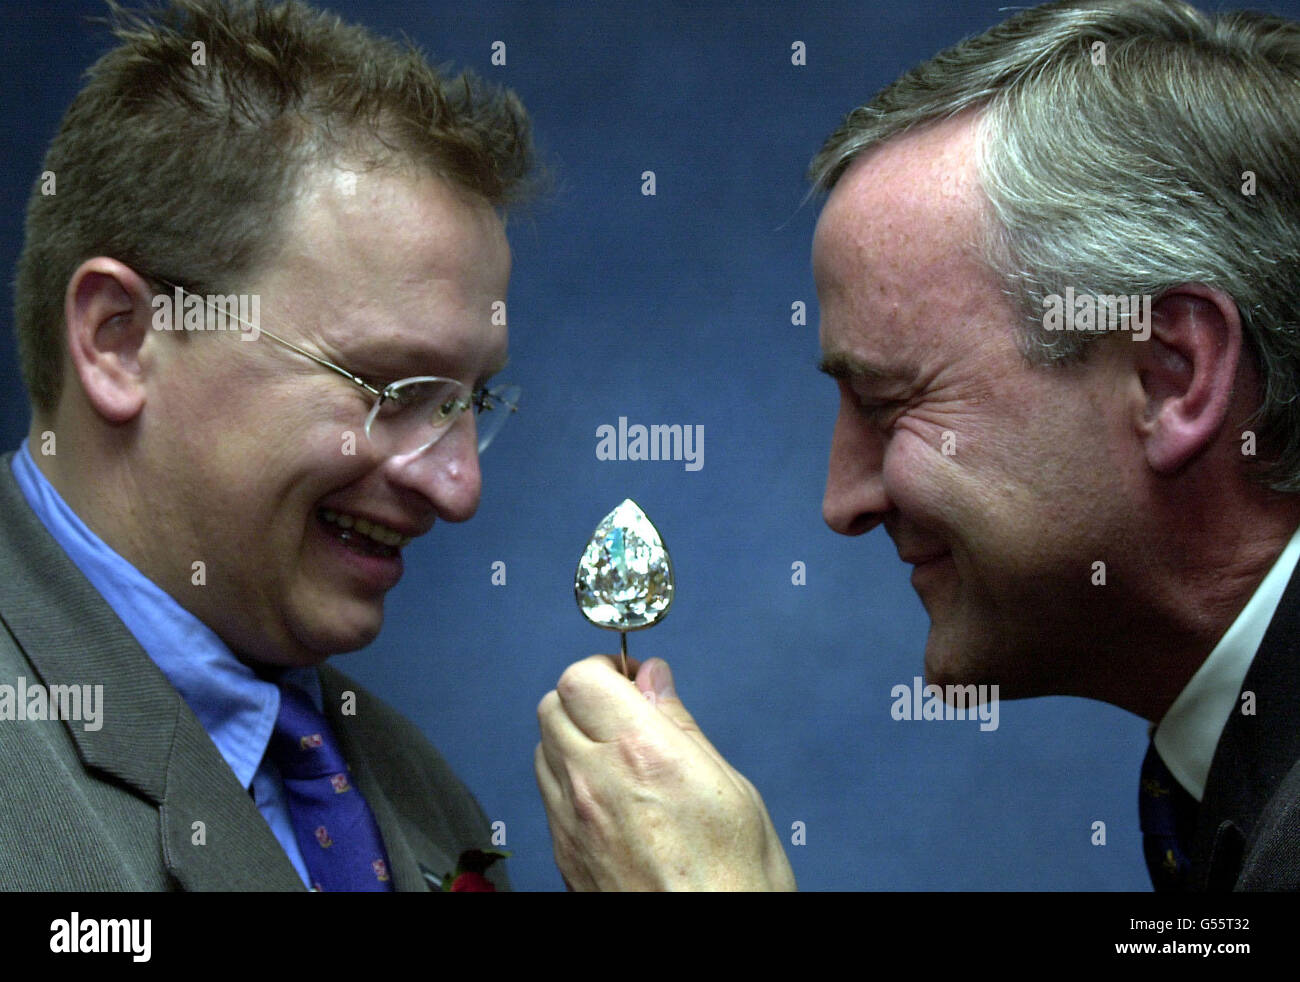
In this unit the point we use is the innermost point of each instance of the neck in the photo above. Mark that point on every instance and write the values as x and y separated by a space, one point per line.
92 473
1188 589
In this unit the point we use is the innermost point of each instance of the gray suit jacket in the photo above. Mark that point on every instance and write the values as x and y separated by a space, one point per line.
118 808
1248 825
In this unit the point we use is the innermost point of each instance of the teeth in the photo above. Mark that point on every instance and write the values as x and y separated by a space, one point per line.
373 530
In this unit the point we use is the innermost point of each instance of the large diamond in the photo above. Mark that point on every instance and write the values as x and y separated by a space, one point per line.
625 578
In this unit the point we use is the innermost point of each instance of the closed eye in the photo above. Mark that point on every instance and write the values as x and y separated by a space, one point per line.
879 412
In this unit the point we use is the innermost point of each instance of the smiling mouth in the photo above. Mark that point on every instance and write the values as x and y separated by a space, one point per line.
362 535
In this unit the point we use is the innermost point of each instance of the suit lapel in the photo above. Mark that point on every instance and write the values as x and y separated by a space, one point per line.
149 740
1254 753
236 850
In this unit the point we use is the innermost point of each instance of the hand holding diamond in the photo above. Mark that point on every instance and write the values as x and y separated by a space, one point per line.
637 798
616 761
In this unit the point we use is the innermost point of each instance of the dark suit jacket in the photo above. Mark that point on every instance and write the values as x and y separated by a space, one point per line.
1248 826
117 808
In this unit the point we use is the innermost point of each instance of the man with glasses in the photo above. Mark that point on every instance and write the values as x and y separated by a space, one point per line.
199 519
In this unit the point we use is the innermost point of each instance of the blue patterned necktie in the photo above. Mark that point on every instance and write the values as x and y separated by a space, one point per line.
1167 815
336 830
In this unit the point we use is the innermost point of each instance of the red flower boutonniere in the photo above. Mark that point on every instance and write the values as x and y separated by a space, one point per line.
468 876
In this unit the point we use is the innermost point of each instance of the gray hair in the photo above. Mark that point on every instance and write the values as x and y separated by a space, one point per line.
1123 170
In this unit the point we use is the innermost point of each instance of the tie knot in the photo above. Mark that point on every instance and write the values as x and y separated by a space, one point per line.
302 744
1164 805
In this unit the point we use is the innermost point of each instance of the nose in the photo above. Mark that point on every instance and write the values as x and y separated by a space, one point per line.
446 474
855 499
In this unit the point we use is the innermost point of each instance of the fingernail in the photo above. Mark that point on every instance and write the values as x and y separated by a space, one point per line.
663 681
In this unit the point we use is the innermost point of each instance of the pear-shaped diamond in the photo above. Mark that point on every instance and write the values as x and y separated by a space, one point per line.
625 578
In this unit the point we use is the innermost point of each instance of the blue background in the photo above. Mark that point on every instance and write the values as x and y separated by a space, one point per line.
676 309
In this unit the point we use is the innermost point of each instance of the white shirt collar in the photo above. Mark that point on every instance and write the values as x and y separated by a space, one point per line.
1190 730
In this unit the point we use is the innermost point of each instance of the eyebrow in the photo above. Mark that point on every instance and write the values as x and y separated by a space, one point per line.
387 358
497 368
842 365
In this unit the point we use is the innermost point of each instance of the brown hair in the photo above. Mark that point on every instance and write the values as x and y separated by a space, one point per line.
189 140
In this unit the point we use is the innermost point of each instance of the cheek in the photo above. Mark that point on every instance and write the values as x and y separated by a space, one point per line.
250 486
963 489
282 437
922 475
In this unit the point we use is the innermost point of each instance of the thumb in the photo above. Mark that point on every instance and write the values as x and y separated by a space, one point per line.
655 680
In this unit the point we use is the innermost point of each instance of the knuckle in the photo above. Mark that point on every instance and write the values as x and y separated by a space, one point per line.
575 676
644 758
582 674
547 705
587 807
571 681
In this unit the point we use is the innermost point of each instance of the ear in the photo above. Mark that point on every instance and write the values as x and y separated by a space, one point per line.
107 309
1187 369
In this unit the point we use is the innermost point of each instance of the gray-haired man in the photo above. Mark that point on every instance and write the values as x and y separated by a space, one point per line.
1100 498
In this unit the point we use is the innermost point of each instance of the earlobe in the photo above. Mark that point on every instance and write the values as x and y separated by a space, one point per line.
1187 369
107 317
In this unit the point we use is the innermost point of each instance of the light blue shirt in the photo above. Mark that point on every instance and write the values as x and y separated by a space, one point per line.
235 707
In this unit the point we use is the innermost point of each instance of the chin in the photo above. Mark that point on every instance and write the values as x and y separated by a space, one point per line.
351 640
963 657
322 638
1003 663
